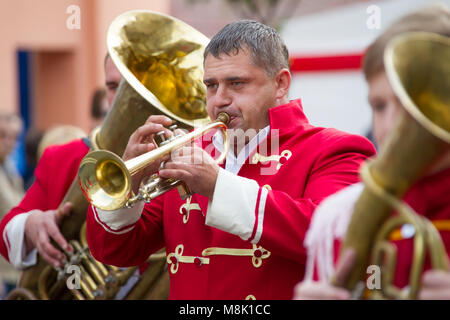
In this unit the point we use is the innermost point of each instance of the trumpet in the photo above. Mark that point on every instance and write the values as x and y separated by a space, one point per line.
105 178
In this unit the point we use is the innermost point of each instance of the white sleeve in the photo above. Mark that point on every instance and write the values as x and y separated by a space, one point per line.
121 220
237 206
14 237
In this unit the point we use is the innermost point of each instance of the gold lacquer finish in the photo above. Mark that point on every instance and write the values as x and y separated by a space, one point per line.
418 68
161 58
161 62
106 180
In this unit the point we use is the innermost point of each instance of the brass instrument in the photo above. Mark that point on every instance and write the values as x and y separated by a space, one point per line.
160 59
106 180
418 69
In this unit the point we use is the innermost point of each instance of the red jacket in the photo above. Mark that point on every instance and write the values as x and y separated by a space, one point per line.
429 197
266 258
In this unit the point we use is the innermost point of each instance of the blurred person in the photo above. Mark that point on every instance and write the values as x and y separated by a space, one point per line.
11 187
99 107
29 227
247 223
32 139
11 182
58 135
112 79
36 140
428 197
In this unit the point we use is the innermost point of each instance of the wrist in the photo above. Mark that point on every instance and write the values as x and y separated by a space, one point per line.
213 182
28 241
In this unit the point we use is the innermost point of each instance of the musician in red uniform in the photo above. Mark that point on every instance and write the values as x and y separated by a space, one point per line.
428 197
32 223
240 235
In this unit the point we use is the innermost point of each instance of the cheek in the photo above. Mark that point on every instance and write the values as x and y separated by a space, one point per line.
379 127
110 96
391 117
383 127
209 109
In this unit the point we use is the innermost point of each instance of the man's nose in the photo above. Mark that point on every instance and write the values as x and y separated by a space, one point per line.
222 98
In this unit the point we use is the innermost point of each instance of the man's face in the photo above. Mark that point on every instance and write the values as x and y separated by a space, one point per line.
112 80
240 88
385 107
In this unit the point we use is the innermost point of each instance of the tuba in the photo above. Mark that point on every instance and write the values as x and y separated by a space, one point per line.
418 68
160 59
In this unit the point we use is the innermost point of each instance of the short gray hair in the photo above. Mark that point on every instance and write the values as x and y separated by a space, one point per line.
267 49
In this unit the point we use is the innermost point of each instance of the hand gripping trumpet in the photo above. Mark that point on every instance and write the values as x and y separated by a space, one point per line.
105 178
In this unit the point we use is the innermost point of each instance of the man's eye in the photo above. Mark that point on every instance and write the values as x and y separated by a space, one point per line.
237 83
211 85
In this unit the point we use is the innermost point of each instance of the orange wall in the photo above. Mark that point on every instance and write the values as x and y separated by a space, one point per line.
68 64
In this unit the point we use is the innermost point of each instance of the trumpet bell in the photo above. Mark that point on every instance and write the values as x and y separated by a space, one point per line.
105 180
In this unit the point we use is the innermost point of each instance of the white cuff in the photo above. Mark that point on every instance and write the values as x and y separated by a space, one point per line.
14 237
235 207
121 220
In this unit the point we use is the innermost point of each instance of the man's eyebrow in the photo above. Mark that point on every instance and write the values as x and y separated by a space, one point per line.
208 80
235 78
227 79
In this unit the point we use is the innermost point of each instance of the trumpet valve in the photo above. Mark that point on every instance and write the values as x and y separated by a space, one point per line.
161 138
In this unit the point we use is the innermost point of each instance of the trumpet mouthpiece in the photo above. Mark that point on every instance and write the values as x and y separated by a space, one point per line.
223 117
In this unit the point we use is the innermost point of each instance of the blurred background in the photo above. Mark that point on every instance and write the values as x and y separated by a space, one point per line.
52 54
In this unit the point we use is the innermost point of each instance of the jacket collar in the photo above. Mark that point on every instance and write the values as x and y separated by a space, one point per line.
287 116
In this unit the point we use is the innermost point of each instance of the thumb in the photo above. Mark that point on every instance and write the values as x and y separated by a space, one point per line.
63 211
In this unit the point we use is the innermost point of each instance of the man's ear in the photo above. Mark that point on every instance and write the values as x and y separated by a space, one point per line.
283 83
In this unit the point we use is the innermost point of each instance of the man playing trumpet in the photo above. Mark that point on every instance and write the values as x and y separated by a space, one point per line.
240 235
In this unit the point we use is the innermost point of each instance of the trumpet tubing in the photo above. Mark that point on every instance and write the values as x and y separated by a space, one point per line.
106 180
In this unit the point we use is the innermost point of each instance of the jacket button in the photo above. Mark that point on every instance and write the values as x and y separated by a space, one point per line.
257 253
174 259
197 261
282 160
